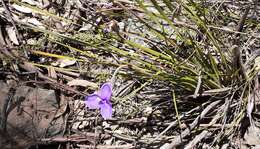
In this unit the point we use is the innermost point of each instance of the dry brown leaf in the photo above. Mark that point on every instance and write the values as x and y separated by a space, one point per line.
252 136
52 73
30 67
12 35
66 62
62 106
84 83
22 8
63 62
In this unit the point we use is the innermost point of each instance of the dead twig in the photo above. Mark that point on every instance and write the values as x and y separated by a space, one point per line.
9 15
174 123
205 132
177 140
73 138
107 146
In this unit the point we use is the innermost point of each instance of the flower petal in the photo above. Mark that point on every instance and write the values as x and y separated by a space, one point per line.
106 110
106 91
92 101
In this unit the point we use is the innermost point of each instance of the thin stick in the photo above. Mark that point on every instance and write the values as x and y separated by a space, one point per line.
9 15
113 79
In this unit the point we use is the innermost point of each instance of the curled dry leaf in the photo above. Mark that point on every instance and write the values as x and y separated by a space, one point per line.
31 2
12 35
22 9
35 22
66 62
84 83
257 63
63 62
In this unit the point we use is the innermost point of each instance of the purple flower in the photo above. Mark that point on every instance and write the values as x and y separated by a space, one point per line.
101 99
